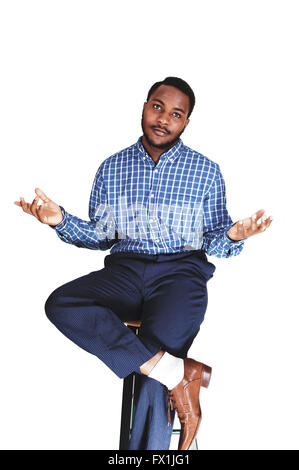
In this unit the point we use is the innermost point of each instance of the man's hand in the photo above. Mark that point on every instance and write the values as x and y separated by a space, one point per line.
251 226
47 213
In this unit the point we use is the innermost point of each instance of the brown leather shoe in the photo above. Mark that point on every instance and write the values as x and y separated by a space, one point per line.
185 400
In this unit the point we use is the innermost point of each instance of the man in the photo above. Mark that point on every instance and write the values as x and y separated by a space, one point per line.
160 207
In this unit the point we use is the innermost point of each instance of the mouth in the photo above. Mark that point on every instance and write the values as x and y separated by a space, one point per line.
160 132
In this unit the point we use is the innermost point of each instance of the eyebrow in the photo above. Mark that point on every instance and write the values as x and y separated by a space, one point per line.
177 109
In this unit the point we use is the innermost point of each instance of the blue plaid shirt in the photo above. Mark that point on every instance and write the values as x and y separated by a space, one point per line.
176 205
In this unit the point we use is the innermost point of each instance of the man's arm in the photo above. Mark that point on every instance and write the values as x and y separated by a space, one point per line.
217 222
97 234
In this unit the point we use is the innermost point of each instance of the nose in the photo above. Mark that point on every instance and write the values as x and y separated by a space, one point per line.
163 118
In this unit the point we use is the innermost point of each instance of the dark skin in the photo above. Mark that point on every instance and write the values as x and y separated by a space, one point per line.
167 109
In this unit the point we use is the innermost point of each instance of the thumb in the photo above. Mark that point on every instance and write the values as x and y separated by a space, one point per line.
42 195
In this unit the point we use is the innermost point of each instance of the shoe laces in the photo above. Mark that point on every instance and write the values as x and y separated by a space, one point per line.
171 405
182 415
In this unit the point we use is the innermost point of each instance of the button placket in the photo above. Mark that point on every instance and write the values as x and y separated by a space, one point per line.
153 219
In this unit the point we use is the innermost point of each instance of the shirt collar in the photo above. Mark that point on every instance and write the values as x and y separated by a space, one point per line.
171 154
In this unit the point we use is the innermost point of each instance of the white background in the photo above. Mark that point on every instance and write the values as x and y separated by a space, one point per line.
74 76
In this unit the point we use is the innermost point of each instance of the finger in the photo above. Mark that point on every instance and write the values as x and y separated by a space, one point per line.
247 223
42 195
269 221
17 203
254 222
263 224
259 213
25 206
34 207
248 228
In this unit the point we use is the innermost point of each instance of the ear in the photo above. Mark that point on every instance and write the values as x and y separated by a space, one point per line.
144 105
186 123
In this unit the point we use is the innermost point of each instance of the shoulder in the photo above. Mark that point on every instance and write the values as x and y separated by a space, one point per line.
116 160
205 163
120 156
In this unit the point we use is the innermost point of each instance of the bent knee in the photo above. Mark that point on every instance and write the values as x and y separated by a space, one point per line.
52 304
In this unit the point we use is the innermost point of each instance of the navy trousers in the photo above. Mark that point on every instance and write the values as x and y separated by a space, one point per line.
167 292
151 430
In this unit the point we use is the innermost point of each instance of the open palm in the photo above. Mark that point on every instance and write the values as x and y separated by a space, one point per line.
253 225
48 212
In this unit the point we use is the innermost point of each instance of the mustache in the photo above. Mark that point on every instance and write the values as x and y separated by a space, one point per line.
161 128
172 141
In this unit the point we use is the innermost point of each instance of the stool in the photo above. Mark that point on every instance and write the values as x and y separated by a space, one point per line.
130 388
130 385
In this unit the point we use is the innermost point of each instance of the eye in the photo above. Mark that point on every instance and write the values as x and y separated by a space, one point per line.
156 106
177 115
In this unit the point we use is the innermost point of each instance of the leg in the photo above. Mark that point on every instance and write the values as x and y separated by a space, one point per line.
90 311
173 311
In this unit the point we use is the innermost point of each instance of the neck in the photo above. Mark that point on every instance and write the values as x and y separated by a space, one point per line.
153 151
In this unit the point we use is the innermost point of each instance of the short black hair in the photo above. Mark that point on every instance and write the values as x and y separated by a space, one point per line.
177 83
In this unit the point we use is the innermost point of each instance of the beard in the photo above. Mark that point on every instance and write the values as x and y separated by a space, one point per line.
168 144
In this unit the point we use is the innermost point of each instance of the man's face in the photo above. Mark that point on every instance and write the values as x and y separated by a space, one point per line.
164 116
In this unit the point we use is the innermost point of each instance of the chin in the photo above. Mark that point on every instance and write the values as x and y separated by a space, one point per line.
160 140
157 141
160 144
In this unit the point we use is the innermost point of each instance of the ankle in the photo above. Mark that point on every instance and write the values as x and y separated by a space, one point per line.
148 366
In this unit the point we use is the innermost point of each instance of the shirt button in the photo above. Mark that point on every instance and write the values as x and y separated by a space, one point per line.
152 195
151 220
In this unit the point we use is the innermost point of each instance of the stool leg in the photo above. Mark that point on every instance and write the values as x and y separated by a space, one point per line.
129 386
126 412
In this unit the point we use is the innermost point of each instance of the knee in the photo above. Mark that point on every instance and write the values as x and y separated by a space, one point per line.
51 305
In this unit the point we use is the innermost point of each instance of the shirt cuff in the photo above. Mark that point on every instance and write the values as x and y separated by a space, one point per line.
62 224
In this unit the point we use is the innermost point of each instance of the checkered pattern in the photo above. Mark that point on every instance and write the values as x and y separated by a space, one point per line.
174 206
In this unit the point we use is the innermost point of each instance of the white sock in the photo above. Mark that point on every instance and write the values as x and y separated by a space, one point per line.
169 370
